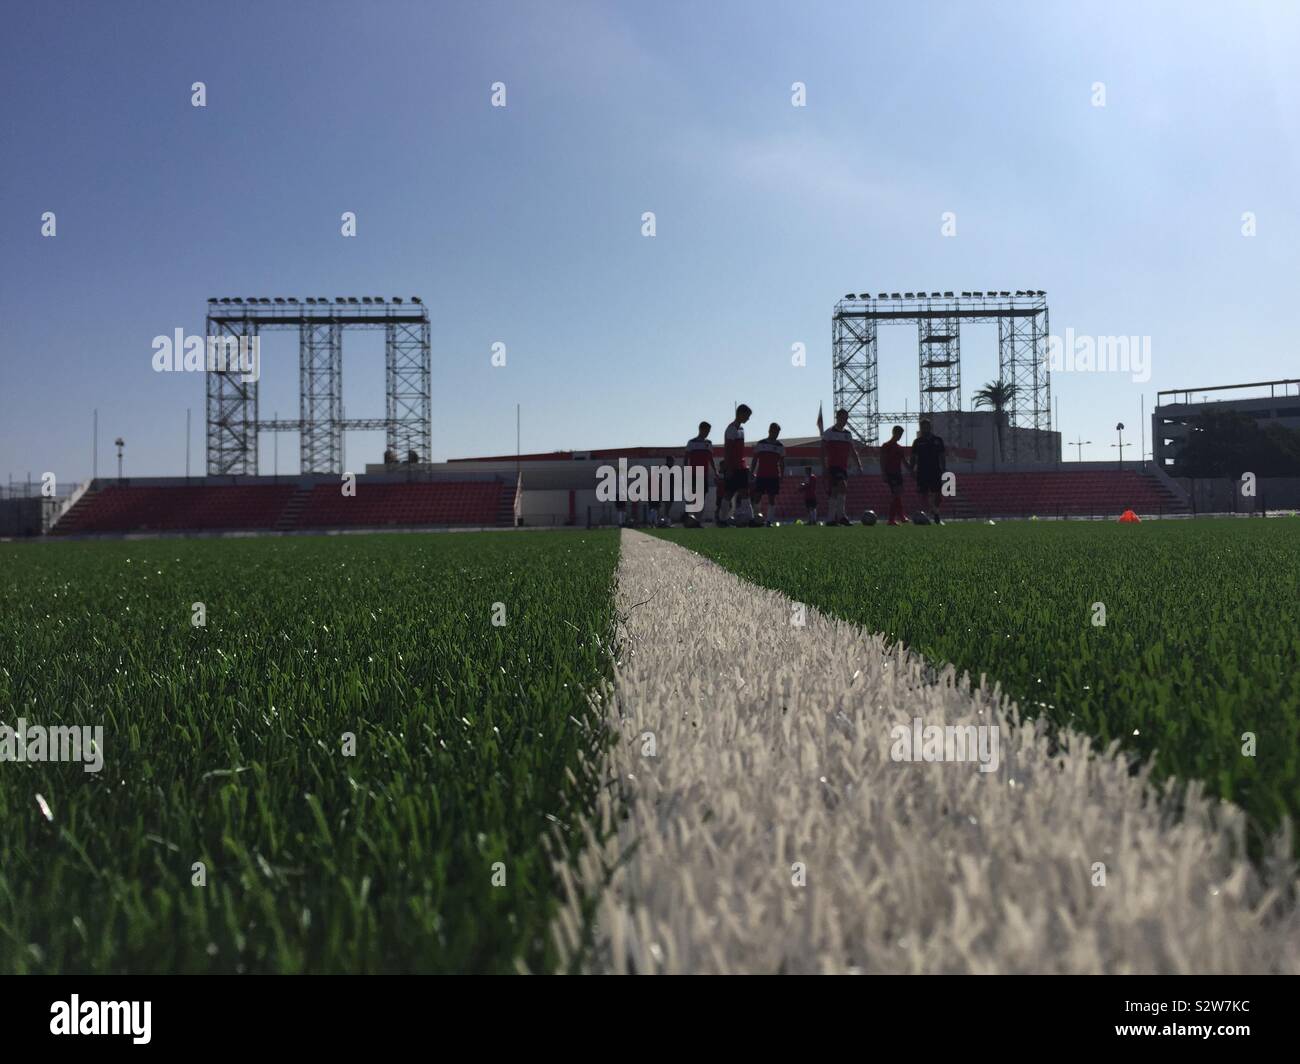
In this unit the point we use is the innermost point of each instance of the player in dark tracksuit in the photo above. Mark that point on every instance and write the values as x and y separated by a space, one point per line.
928 462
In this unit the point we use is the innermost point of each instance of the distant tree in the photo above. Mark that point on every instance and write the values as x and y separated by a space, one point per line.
997 396
1287 443
1228 443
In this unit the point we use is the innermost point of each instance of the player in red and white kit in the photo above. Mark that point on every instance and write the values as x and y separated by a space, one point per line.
837 448
891 472
737 477
809 489
769 468
698 461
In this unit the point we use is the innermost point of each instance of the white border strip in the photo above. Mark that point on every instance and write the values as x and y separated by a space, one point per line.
769 830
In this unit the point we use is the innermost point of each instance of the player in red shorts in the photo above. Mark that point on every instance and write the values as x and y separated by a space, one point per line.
698 461
737 477
891 471
837 448
769 468
809 489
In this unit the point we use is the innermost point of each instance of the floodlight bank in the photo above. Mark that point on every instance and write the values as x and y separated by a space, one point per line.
772 767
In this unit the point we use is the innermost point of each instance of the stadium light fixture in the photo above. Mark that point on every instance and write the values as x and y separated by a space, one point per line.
910 295
311 301
397 299
882 295
415 299
237 300
934 295
965 295
947 295
366 300
280 300
894 295
212 299
352 299
1020 293
1005 294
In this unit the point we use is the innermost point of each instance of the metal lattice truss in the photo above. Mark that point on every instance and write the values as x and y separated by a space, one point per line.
406 350
854 343
232 399
1021 318
1022 361
938 344
233 424
320 396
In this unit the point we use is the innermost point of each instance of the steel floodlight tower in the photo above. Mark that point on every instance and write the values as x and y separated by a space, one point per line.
406 360
1022 357
853 339
233 422
232 399
1022 361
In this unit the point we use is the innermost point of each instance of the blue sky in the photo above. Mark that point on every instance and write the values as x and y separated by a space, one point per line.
523 224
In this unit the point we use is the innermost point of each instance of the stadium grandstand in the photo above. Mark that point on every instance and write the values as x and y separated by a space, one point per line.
549 489
266 504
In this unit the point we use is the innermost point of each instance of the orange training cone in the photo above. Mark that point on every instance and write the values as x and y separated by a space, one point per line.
1128 517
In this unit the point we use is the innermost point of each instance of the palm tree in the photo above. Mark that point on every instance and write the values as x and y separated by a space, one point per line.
996 395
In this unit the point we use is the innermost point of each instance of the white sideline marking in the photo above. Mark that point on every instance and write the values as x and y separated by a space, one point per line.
773 747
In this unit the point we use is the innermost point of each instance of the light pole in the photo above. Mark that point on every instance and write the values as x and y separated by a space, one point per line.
119 443
1120 429
1079 444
